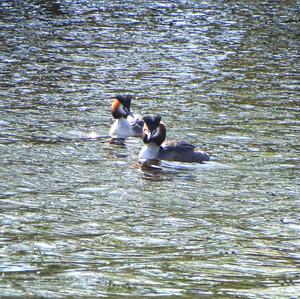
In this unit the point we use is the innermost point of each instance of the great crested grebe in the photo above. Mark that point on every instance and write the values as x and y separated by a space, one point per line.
126 123
154 134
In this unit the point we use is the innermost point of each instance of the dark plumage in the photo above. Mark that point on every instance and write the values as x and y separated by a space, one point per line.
152 122
182 151
154 134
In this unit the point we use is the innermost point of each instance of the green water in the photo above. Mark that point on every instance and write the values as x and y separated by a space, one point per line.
80 218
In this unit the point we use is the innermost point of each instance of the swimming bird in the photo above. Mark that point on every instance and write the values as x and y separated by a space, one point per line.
154 134
126 124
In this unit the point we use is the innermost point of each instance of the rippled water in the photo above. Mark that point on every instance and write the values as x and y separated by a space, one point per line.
80 218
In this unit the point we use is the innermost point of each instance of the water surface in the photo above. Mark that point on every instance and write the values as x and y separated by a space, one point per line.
79 217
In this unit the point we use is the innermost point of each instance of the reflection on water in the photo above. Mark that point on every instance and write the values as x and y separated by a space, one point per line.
79 215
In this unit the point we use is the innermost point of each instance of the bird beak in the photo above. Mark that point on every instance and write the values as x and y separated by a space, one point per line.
127 111
152 135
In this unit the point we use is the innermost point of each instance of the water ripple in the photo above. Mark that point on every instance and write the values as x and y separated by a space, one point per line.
81 217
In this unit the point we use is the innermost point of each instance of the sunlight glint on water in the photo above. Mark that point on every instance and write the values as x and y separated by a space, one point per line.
80 217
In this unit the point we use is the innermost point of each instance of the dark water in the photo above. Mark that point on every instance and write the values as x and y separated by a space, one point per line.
80 218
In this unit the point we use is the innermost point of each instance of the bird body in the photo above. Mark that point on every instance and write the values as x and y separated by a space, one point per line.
154 134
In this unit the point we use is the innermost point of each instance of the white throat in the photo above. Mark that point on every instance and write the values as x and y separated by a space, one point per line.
120 128
149 151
